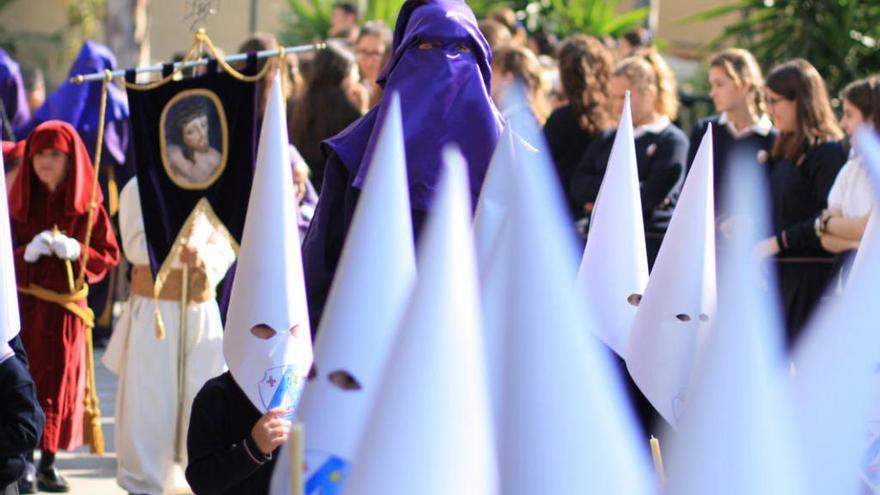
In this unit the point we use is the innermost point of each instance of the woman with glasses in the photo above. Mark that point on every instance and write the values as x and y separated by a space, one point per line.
804 163
372 49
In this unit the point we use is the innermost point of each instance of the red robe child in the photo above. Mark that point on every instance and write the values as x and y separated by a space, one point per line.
53 336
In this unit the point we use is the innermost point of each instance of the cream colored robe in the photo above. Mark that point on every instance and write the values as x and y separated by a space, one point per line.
146 400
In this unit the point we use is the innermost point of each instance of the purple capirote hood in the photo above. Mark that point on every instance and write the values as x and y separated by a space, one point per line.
441 68
13 94
79 104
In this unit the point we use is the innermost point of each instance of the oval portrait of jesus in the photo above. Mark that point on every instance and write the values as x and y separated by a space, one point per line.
194 139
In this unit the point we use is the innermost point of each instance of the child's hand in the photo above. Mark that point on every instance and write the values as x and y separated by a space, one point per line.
271 430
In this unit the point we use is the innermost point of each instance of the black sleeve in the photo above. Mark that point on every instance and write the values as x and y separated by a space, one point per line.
22 418
667 171
553 137
824 166
696 138
586 178
213 467
322 245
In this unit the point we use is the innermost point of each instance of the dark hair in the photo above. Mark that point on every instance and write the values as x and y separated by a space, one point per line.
864 94
797 80
188 109
638 38
349 8
259 42
585 69
324 109
546 42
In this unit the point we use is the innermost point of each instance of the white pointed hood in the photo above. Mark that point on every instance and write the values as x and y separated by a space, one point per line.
269 288
10 323
836 369
429 432
360 322
737 434
615 263
679 299
493 206
566 426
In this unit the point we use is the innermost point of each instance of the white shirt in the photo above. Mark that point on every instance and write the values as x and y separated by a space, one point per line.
851 192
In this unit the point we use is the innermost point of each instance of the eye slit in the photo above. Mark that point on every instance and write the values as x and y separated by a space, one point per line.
313 372
294 330
344 380
683 317
429 45
634 299
461 47
263 332
704 317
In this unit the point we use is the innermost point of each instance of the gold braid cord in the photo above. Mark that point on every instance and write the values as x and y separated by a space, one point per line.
202 39
92 433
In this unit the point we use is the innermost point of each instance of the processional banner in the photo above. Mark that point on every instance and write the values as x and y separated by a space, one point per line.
195 147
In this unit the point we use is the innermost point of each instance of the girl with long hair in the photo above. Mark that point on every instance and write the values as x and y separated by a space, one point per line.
804 163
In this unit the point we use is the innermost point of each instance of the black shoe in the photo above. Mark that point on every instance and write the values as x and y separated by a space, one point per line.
51 480
28 481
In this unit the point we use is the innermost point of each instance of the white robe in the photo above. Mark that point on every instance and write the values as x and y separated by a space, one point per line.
146 400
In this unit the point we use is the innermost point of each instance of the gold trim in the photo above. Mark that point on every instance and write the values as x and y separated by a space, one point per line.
202 207
163 147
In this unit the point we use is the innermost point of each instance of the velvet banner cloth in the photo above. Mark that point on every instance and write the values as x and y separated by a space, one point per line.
53 336
168 193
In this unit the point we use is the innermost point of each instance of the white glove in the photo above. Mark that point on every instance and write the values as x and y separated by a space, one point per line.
65 248
39 246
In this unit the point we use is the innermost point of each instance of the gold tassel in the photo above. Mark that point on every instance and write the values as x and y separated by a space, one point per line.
112 191
92 433
160 327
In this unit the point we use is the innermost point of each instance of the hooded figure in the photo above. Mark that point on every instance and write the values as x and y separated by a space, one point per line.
48 206
239 418
441 68
79 105
13 98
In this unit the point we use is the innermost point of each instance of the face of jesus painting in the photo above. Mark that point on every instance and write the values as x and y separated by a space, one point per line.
194 139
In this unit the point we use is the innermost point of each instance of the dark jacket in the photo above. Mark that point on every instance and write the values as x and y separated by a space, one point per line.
661 165
223 457
21 419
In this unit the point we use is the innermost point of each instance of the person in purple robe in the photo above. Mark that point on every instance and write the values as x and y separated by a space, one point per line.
14 111
79 105
441 68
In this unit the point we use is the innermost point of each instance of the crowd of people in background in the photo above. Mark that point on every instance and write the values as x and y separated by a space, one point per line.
819 192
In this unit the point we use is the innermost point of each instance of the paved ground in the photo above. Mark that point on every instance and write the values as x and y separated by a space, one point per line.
88 474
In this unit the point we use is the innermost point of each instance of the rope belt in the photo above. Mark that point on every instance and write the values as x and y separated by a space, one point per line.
66 301
199 290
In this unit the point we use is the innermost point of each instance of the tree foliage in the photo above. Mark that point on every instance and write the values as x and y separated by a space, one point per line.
311 18
839 37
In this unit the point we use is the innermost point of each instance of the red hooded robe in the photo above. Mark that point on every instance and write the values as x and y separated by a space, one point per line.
54 337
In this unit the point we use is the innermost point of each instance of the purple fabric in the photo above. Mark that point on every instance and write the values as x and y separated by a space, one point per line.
13 94
79 104
444 94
